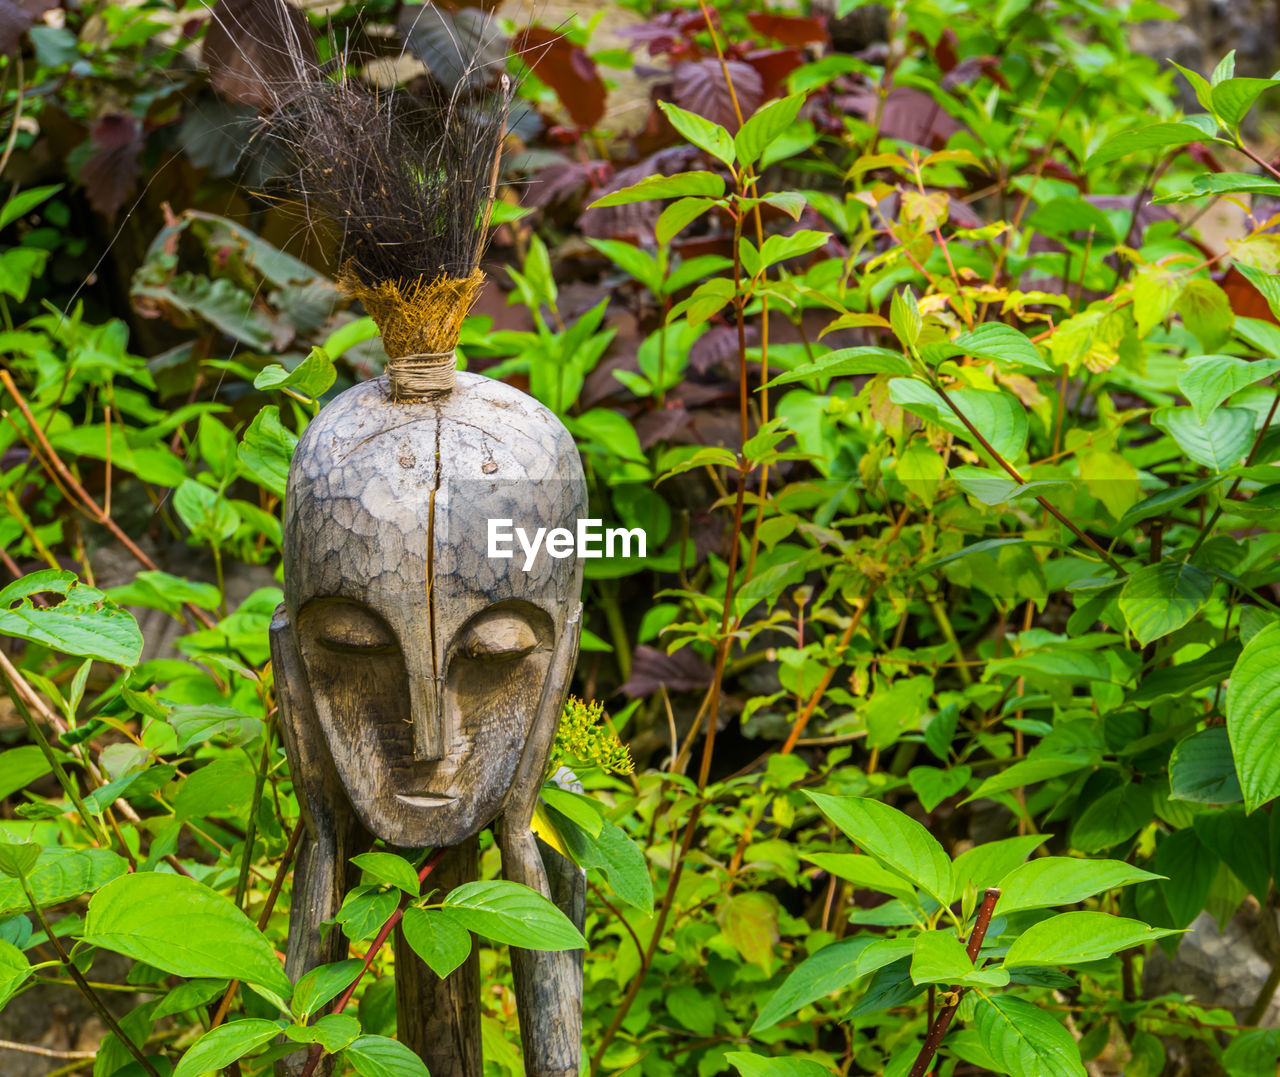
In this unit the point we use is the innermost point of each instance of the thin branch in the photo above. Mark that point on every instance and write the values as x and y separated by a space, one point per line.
939 1027
87 504
44 1052
91 996
1017 477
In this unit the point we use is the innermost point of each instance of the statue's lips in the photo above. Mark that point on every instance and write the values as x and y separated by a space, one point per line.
425 801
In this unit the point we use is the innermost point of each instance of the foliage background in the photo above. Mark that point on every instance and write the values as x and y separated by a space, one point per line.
934 345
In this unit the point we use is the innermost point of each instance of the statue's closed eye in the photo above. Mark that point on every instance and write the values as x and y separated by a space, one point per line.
499 637
344 626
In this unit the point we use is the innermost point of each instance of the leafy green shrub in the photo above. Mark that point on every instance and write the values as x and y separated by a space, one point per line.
950 672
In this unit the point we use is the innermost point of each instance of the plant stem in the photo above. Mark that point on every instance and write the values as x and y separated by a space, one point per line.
1263 1002
87 504
251 826
264 917
943 1021
91 996
19 692
1017 477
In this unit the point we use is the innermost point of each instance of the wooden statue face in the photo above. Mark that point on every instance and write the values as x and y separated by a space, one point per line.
411 757
426 659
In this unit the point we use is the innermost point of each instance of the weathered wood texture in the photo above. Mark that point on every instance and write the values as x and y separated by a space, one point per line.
440 1019
422 679
322 873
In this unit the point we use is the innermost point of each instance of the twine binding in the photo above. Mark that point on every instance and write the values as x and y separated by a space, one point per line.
413 377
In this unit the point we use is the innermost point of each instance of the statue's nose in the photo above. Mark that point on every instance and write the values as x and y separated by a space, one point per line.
427 718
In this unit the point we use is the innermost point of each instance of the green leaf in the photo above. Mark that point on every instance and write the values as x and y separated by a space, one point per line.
940 958
865 871
681 185
676 216
1161 598
890 986
823 973
614 854
222 787
1203 770
893 838
365 909
1225 69
1252 1052
582 810
17 859
933 785
1253 717
266 449
1164 502
997 416
1208 380
224 1044
846 361
764 126
1063 880
1203 91
1216 184
904 317
987 864
1002 343
390 869
1025 1040
85 623
313 377
332 1032
187 996
510 913
778 248
749 1065
1207 671
749 922
14 970
206 512
1114 817
1155 289
322 985
1243 842
62 874
1076 938
1157 136
1233 98
378 1056
1028 772
436 937
792 203
182 927
351 333
632 260
921 470
1206 312
700 131
1266 283
24 202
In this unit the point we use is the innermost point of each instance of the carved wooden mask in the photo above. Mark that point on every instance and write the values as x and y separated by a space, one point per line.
427 659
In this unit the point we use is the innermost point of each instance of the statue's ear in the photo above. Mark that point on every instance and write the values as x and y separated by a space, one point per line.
518 811
315 781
